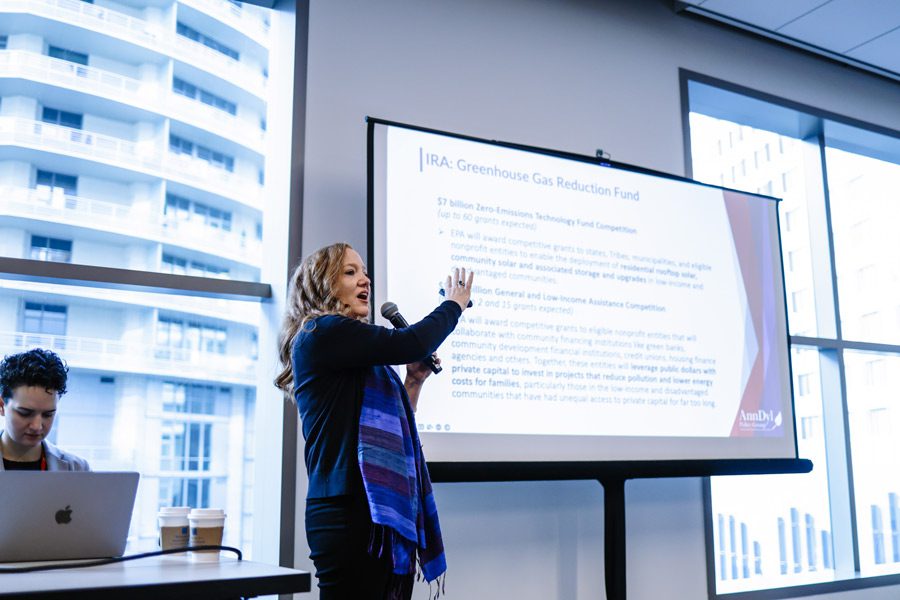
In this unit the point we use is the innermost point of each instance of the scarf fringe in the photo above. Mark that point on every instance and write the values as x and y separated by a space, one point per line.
440 583
379 540
440 587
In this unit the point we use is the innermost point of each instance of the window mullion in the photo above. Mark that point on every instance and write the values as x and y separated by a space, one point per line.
821 244
831 361
828 234
840 471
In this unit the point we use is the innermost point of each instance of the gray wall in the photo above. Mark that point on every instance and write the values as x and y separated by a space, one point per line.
573 75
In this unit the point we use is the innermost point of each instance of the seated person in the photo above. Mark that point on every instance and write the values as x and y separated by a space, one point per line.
31 383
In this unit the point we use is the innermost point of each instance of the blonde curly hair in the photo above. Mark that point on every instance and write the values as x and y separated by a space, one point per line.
311 295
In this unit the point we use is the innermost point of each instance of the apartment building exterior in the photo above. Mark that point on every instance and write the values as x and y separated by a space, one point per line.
132 136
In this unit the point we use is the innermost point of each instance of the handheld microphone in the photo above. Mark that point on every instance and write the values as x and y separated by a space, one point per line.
390 312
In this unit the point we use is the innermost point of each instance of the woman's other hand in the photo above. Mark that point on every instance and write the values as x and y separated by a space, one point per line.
418 372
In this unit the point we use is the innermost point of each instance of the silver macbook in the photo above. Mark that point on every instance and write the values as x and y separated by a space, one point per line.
64 515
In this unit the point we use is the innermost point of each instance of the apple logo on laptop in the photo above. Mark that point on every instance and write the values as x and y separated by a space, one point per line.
64 515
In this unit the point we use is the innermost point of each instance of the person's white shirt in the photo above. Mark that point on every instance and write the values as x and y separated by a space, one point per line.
59 460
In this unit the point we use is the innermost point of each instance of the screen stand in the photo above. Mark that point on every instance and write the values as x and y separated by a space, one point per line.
614 536
612 476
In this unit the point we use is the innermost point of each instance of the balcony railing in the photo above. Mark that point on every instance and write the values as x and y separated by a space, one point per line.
55 206
129 357
234 311
104 457
149 95
111 22
91 80
233 15
50 254
202 174
217 121
150 35
202 237
78 142
145 156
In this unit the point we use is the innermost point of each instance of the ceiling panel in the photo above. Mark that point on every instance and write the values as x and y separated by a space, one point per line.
841 25
863 33
768 14
884 52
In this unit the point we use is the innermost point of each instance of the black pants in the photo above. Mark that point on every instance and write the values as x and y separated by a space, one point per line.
338 530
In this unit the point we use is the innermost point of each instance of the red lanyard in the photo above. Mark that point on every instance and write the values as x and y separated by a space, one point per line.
43 460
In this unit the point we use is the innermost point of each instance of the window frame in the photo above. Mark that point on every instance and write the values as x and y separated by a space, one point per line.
828 341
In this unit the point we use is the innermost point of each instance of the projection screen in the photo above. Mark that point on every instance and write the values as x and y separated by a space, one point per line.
619 314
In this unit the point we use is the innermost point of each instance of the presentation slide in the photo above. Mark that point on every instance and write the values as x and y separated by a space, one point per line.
617 315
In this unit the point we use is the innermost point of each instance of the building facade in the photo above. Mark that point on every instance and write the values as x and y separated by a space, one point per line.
132 136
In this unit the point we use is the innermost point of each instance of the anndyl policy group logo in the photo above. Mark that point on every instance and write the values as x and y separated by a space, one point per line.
759 420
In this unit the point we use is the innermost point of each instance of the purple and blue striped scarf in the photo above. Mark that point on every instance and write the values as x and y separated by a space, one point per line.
396 479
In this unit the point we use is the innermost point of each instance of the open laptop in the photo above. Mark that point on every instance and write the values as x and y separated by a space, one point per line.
64 515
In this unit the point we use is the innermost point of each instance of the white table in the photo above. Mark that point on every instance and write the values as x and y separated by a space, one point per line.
156 577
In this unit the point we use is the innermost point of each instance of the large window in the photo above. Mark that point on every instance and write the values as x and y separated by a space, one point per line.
68 55
51 182
44 318
62 117
167 371
174 332
865 214
186 446
180 86
182 266
839 524
875 441
181 209
193 34
48 248
179 145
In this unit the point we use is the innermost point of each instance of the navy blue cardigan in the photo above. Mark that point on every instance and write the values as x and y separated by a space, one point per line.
329 361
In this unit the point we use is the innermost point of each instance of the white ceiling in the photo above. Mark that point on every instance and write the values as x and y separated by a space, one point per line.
864 33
